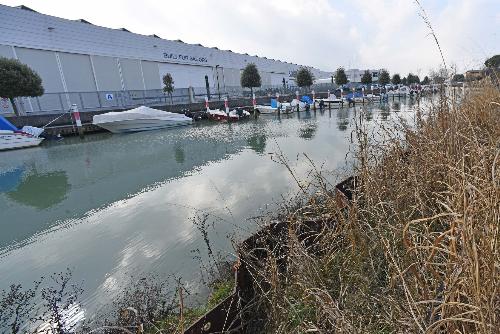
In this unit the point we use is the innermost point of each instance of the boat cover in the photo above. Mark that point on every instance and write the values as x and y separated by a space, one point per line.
141 112
6 125
306 99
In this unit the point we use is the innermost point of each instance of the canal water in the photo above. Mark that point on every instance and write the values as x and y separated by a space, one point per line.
114 206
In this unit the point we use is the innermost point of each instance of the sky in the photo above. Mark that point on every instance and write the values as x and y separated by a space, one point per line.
325 34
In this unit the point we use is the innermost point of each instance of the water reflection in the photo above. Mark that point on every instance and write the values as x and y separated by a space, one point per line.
120 205
10 179
179 155
41 191
308 130
385 111
343 119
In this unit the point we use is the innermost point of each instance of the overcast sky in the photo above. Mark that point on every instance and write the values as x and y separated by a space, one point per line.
322 33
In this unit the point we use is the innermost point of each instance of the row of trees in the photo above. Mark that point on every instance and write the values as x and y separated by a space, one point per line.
384 78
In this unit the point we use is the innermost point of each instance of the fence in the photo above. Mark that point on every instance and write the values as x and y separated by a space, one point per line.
54 103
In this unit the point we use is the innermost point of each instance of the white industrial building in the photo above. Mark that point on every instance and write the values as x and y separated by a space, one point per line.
355 75
75 56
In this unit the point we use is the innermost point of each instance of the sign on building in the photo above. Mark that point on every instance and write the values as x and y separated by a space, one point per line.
109 97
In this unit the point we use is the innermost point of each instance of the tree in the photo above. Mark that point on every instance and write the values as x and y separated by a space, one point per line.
412 79
18 79
426 80
304 77
493 62
250 77
169 85
404 81
340 76
458 78
384 77
366 79
396 79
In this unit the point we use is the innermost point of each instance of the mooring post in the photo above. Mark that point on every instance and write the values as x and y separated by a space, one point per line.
314 100
206 104
298 101
278 102
78 121
254 103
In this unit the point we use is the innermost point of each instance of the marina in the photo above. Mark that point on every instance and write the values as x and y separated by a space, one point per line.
113 206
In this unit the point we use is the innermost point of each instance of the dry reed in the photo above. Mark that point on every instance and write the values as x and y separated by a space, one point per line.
417 250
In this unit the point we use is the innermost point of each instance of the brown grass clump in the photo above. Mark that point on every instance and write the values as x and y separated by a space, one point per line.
417 251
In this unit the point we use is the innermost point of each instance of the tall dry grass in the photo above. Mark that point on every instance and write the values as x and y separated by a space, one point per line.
417 251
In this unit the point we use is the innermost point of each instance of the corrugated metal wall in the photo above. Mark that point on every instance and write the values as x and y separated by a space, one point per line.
73 56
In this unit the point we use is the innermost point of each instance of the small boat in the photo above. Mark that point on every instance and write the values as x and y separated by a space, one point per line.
303 106
140 119
233 116
273 108
13 138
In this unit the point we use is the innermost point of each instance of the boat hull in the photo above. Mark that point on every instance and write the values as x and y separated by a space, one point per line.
18 140
137 125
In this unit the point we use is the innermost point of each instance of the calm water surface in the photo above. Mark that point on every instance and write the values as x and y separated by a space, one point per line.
112 206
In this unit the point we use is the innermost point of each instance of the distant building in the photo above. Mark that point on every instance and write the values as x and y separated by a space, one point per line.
76 57
354 75
472 75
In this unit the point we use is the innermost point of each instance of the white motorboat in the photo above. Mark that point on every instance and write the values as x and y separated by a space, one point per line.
140 119
12 138
302 105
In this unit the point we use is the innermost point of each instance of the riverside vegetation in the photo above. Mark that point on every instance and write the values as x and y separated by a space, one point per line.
417 249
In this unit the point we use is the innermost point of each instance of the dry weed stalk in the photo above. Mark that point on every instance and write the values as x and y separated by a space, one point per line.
417 251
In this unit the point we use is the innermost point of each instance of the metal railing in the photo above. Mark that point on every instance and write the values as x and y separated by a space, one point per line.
54 103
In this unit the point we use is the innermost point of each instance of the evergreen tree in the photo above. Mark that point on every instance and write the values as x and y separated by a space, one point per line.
493 62
384 77
366 79
396 79
250 77
340 76
169 85
17 79
304 77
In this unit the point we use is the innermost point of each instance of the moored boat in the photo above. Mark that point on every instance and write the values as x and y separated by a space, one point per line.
233 116
140 119
13 138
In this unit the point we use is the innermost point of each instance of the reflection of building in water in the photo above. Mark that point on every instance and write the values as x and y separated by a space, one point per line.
88 175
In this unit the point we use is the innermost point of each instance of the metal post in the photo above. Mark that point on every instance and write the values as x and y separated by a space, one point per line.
76 116
61 102
278 102
81 100
38 103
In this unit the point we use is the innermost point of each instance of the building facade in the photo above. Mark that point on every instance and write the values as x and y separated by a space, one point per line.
354 75
75 56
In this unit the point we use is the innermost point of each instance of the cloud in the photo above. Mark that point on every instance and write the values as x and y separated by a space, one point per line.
322 33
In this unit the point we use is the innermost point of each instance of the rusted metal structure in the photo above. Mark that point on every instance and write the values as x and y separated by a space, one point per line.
272 240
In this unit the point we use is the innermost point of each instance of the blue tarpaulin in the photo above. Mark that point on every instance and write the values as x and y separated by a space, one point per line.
306 99
274 103
6 125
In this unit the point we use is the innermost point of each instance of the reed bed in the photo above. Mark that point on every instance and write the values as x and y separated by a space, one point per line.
415 251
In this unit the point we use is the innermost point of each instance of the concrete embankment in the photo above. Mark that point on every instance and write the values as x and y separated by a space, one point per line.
64 124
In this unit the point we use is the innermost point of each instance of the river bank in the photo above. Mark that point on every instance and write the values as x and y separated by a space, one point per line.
416 250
